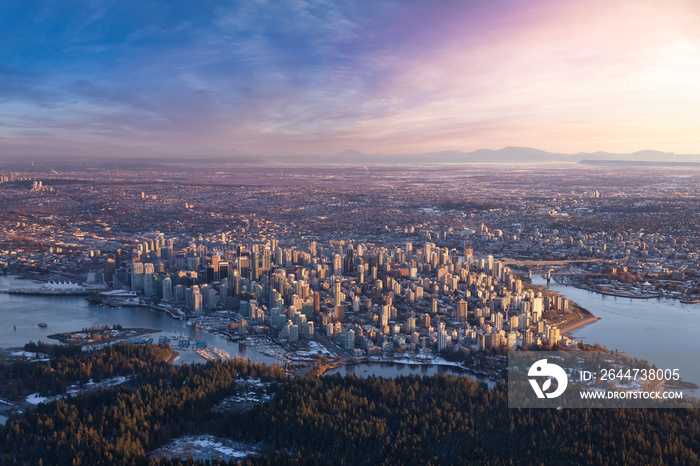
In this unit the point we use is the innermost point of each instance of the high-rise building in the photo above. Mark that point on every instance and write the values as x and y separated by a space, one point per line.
212 298
149 285
109 269
197 306
168 290
337 264
338 297
215 260
255 266
554 336
349 262
350 340
462 308
442 340
293 332
384 318
137 276
411 324
267 259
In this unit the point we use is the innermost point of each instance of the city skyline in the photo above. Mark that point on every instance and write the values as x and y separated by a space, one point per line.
312 78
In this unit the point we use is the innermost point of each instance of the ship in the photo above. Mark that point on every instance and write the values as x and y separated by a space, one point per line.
43 324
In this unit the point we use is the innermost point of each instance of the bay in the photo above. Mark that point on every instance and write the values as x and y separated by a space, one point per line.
21 314
662 331
393 370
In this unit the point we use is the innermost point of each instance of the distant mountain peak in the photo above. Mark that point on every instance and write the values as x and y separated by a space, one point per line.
349 153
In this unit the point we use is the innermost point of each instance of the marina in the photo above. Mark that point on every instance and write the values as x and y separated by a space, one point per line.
64 314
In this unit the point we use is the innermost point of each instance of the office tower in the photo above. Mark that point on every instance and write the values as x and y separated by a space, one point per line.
554 336
255 266
462 308
337 293
349 262
350 340
197 305
317 301
137 276
425 320
149 285
215 260
109 269
279 256
385 315
167 289
267 259
337 264
498 320
212 298
442 340
224 270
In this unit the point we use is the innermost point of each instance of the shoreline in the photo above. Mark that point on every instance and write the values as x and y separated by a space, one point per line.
174 356
617 295
65 338
474 373
564 329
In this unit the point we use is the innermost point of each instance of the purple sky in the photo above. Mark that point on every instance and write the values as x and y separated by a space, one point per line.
316 77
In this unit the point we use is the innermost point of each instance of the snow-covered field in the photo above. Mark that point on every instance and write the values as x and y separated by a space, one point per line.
204 447
32 356
35 399
74 390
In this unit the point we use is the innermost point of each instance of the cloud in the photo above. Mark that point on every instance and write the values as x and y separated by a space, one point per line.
297 76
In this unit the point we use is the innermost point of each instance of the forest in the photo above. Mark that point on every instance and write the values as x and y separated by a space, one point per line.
327 420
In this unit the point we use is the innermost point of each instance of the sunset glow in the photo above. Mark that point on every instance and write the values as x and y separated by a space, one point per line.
315 77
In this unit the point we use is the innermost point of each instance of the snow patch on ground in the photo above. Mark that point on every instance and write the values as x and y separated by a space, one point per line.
26 354
204 447
35 399
315 349
423 359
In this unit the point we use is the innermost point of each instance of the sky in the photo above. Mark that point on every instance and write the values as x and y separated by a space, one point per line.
296 77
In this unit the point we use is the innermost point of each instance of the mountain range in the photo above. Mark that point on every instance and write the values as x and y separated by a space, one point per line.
505 155
512 155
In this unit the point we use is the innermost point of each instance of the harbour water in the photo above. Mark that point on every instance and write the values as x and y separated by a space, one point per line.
392 370
633 326
628 324
21 314
662 331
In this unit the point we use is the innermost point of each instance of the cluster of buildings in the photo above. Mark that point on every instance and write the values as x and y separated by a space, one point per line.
375 260
369 299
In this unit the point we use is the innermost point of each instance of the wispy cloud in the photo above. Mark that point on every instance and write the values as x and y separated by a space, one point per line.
295 76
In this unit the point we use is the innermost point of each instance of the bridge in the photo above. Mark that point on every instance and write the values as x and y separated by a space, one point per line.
537 264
